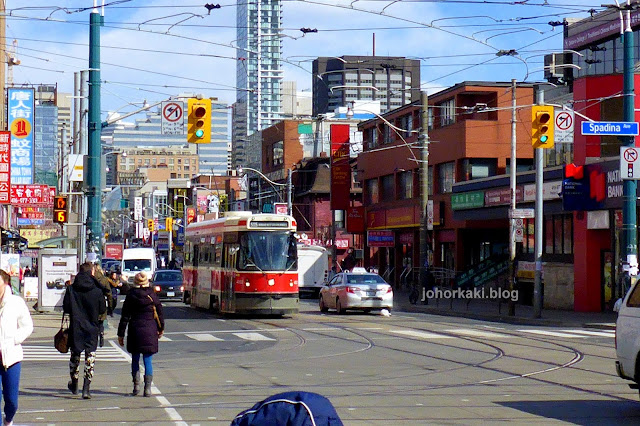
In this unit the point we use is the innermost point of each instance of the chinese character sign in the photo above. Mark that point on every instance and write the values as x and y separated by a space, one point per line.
20 113
5 167
31 195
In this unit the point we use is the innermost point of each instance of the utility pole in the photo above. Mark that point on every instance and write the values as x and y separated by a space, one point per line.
539 212
94 200
512 175
424 187
629 189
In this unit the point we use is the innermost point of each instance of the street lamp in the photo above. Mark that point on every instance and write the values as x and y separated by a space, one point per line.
274 184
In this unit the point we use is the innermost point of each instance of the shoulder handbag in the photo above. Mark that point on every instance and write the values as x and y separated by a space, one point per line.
155 313
61 339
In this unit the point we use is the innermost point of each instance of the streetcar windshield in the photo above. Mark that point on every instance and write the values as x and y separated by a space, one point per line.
267 251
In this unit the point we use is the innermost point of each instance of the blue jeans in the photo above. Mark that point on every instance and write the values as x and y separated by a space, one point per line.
148 366
10 387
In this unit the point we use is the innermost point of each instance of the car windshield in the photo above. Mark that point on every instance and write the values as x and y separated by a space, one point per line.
168 276
131 265
365 279
268 251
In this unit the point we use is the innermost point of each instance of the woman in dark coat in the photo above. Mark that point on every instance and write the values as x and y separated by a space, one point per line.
84 303
142 312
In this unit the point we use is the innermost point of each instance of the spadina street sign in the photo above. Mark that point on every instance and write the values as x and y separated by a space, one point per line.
613 128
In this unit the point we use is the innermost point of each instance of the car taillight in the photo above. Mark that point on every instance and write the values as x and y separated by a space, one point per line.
352 289
389 290
157 288
181 288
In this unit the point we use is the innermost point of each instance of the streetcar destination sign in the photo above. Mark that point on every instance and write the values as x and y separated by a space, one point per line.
614 128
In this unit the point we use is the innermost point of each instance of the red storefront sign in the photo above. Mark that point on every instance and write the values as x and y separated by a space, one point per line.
5 167
191 214
497 197
355 220
340 169
31 195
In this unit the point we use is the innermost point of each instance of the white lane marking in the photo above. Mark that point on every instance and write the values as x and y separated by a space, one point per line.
164 339
320 329
369 328
603 333
203 337
478 333
421 334
252 336
552 333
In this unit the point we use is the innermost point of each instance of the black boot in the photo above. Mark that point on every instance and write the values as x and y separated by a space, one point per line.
136 383
147 385
73 386
85 389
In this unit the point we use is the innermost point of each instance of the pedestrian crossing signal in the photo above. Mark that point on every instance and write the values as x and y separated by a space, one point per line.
60 214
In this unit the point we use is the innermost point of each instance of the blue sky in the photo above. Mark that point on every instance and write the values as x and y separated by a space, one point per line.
148 54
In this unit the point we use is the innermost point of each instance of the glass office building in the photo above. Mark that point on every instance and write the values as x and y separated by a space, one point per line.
45 159
258 71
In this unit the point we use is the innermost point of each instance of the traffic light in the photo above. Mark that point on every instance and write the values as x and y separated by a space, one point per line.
150 224
542 126
199 120
169 224
60 214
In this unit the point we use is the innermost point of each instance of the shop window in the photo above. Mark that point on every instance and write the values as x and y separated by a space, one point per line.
446 177
558 234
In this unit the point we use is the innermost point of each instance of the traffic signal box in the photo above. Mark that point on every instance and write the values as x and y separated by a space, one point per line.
199 120
150 224
169 224
542 126
60 213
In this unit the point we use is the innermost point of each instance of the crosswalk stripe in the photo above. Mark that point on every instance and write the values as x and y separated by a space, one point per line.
45 353
552 333
421 334
252 336
203 337
164 339
478 333
603 333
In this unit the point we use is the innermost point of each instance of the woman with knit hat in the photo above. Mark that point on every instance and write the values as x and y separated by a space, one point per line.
142 312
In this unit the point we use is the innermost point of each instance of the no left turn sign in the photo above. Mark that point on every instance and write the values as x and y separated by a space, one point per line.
172 118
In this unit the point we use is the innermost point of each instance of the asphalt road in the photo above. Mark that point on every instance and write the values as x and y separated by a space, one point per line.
406 369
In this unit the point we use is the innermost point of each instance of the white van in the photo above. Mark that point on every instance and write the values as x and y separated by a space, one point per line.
313 269
136 260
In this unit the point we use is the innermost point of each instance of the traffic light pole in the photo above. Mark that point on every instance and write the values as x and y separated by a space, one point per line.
93 189
537 283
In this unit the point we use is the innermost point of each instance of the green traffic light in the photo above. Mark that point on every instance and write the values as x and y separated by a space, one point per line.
199 133
543 138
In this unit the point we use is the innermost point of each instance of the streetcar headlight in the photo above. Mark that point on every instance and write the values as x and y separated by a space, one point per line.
247 283
290 283
272 281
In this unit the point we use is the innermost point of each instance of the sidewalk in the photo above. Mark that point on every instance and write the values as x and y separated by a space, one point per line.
490 310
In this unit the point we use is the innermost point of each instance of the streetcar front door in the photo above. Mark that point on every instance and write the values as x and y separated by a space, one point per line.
230 269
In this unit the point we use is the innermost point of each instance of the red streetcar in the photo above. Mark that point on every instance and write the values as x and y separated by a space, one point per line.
242 263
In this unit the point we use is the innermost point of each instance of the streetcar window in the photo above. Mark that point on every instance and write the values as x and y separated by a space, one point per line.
634 298
218 259
195 255
267 251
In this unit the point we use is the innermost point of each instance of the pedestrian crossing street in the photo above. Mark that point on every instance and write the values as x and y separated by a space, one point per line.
577 333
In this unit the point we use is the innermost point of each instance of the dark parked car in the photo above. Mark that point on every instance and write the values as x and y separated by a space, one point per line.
168 284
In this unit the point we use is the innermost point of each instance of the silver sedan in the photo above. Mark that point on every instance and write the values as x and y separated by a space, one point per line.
354 290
